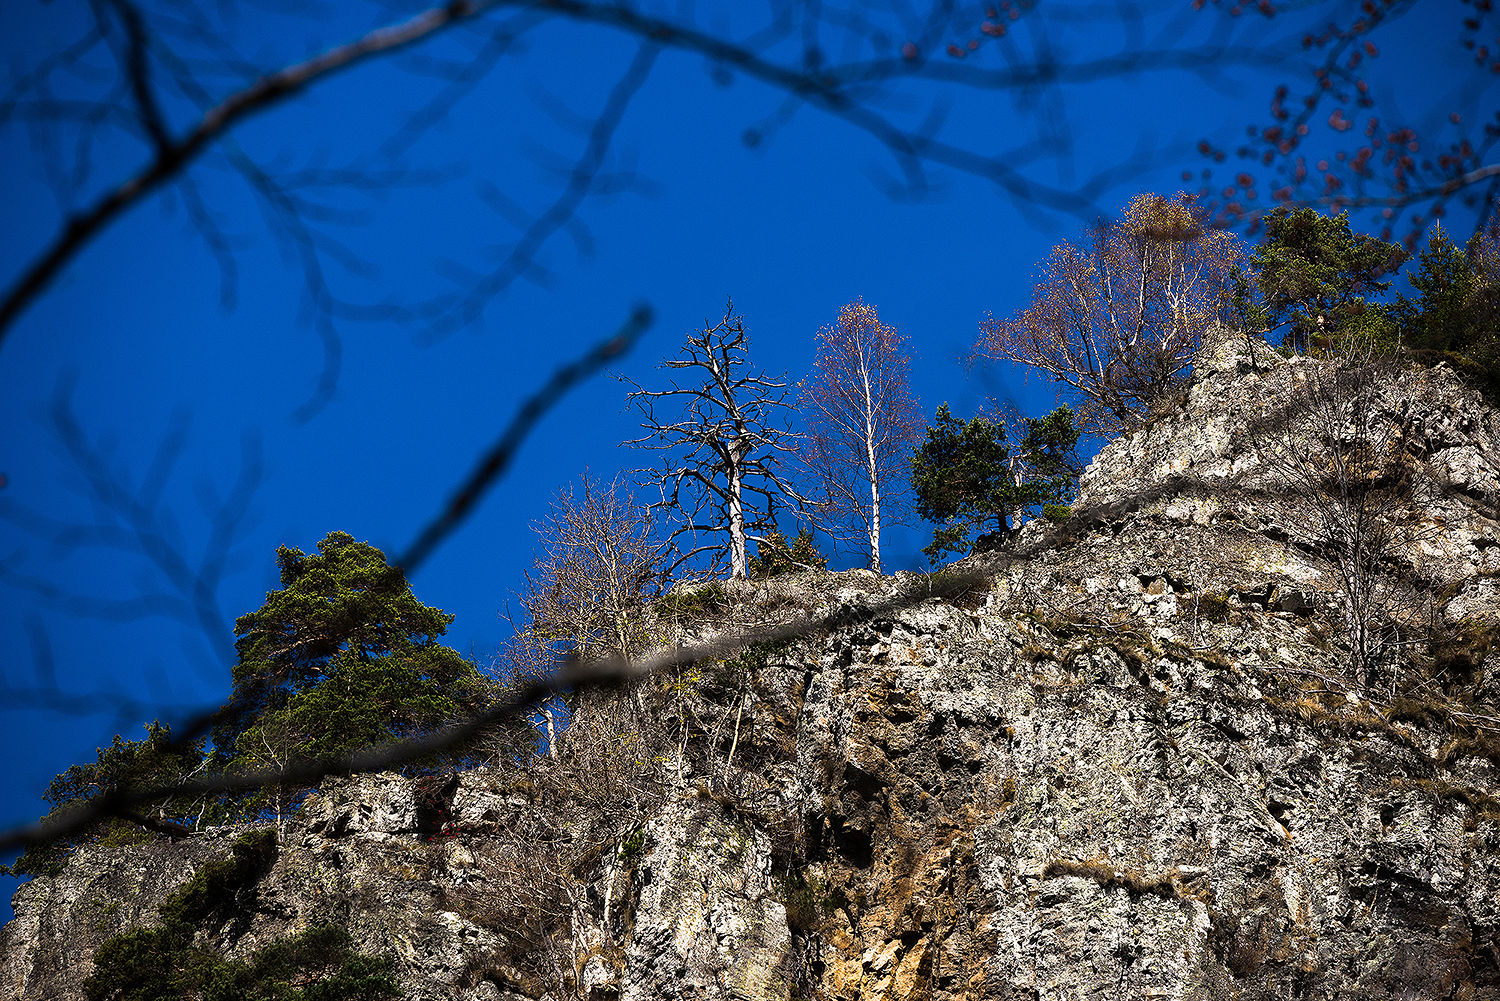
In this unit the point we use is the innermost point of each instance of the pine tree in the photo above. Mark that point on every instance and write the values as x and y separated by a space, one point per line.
969 476
1315 275
343 656
123 766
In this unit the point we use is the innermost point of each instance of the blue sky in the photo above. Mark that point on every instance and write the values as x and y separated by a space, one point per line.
791 229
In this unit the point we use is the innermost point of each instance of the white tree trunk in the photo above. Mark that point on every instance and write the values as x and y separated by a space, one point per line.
874 513
738 562
872 468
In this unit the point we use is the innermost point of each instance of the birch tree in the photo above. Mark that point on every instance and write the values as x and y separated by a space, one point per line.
863 423
1117 320
722 442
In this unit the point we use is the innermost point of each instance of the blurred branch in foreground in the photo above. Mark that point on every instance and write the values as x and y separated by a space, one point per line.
131 517
149 82
568 675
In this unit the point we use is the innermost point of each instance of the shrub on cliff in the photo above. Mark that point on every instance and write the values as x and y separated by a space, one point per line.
317 964
775 556
122 766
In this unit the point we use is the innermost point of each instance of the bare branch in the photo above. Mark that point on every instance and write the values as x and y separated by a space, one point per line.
175 156
568 675
499 457
849 92
561 212
723 448
131 519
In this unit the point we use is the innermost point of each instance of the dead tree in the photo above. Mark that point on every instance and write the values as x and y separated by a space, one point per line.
722 450
863 424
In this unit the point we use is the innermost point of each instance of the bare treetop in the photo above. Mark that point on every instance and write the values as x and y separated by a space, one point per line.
599 564
863 425
720 472
1117 319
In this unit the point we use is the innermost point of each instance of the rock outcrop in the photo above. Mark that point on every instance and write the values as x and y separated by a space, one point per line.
1130 762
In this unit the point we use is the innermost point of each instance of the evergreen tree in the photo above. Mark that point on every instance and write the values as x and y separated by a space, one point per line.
343 656
124 765
774 556
968 475
1454 307
1315 275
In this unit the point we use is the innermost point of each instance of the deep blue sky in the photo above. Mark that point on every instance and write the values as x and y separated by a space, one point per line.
792 229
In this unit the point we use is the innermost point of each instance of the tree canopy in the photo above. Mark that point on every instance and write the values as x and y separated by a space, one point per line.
1315 275
342 656
1116 318
968 475
862 422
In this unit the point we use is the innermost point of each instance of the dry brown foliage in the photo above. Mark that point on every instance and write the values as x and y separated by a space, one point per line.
583 808
1117 319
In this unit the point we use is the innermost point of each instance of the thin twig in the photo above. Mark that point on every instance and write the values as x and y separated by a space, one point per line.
503 451
175 156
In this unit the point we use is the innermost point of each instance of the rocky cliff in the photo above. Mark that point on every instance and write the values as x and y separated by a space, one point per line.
1137 759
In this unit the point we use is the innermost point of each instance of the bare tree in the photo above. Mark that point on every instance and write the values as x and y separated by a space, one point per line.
599 564
1345 466
1117 320
863 423
722 448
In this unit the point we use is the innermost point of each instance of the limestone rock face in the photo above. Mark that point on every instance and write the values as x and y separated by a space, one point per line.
1131 762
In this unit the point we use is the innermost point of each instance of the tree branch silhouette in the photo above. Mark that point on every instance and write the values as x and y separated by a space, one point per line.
173 157
131 518
494 462
848 91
